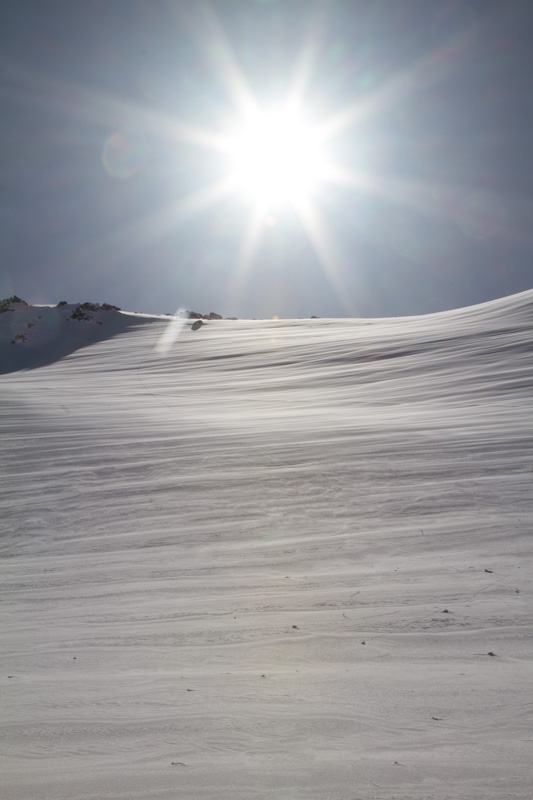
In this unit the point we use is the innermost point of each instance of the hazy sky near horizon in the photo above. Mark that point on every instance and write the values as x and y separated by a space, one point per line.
115 186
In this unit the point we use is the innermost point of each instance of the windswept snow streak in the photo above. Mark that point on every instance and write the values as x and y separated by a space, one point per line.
282 559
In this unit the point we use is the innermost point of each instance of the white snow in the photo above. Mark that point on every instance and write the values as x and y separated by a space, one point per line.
271 563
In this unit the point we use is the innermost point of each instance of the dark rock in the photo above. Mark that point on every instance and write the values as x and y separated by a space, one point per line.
196 325
80 312
9 301
212 315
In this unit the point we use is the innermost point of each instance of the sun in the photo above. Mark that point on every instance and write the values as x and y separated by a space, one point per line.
275 157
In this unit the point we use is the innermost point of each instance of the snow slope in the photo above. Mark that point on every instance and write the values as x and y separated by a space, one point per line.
286 559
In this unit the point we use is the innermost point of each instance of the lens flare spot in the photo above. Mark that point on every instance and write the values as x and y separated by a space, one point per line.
171 332
125 154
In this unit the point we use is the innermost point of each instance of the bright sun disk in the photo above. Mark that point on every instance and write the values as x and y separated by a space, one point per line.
276 157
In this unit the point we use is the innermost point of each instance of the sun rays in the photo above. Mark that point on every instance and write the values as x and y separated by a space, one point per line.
278 155
332 158
282 155
274 156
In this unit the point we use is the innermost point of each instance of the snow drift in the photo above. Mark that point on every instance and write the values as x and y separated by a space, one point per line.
286 559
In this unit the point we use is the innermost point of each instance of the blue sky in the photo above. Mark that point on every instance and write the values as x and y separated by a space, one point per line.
112 112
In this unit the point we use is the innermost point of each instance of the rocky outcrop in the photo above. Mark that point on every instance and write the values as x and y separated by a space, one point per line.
211 315
5 305
81 312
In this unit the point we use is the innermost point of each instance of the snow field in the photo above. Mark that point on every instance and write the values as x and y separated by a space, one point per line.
271 563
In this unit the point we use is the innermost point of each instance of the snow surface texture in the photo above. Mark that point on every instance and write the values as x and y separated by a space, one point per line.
287 560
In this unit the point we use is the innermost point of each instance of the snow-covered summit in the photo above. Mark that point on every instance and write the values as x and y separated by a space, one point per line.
44 333
31 336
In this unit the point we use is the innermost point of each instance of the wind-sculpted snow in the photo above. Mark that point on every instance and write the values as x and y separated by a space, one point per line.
276 559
